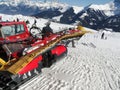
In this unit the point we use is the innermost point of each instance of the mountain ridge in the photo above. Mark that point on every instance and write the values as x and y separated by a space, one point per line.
92 16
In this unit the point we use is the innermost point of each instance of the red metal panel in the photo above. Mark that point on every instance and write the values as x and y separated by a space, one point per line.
32 65
59 50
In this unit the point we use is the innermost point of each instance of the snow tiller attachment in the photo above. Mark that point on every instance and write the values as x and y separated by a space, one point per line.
22 55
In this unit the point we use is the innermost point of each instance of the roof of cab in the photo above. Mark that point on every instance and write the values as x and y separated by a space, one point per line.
11 23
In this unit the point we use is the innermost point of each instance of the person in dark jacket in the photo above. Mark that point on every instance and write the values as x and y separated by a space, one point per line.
47 30
102 36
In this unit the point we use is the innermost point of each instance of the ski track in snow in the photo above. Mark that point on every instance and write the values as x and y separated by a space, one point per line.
93 65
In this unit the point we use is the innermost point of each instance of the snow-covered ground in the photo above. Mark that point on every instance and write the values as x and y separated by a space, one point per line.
94 64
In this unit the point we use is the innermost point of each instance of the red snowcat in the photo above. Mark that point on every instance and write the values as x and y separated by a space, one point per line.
23 53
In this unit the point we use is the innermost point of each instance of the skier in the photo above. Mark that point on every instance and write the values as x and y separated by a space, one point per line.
102 36
47 30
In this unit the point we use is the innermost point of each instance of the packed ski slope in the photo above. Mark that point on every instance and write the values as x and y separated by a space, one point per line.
94 64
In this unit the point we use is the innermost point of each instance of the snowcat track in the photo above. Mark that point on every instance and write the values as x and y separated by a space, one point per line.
7 83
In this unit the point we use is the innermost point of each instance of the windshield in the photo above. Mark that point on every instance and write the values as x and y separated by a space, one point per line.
12 30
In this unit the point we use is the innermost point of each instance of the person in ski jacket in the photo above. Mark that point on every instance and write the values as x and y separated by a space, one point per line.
47 30
102 36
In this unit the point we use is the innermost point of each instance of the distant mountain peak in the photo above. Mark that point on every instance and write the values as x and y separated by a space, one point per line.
118 1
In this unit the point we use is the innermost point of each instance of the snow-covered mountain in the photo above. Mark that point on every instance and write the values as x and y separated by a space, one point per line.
94 64
29 7
101 16
92 16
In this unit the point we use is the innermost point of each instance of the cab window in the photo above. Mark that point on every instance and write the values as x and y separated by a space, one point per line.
12 30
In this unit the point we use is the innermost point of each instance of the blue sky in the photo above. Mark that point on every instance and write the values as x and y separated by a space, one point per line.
85 2
82 2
